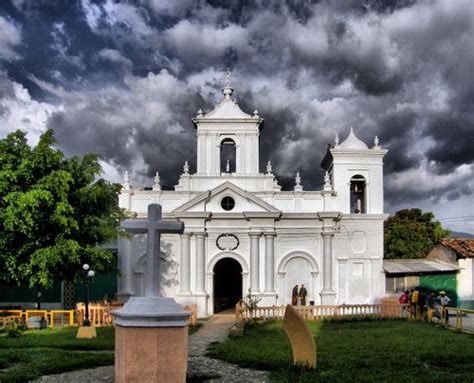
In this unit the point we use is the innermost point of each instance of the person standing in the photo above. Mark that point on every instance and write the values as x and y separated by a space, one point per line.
444 301
414 302
404 299
303 293
422 303
294 296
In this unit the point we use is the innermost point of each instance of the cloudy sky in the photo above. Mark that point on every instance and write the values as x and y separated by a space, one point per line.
124 78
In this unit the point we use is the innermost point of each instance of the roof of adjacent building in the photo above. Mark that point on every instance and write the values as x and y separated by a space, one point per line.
463 247
417 266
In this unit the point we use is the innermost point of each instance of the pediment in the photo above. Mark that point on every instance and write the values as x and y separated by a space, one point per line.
227 108
210 201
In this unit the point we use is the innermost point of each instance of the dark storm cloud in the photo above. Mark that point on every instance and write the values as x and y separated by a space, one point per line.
124 79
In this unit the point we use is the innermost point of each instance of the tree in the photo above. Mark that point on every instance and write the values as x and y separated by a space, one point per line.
410 233
54 213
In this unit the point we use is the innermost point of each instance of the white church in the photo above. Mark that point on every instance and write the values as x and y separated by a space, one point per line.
243 232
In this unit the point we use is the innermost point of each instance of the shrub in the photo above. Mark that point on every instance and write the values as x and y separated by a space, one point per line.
13 329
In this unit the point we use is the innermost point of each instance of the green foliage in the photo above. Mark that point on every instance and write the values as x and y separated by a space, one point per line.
13 329
54 213
250 302
367 351
410 233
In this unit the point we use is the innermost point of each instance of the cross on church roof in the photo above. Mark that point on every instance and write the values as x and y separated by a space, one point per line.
228 74
153 226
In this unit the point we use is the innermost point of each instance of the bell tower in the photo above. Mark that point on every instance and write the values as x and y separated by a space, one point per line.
227 138
357 175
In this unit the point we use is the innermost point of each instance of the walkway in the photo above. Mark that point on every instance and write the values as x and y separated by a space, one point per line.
200 367
204 369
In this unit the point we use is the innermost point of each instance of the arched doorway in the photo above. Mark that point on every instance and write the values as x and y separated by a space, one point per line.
227 284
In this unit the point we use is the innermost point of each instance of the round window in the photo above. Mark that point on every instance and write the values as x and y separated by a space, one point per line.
227 203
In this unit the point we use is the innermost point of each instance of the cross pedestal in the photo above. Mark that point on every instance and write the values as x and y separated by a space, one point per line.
151 332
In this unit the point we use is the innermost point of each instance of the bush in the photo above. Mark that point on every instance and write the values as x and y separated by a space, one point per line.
13 329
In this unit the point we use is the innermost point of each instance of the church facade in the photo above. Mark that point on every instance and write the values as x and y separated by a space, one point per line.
243 233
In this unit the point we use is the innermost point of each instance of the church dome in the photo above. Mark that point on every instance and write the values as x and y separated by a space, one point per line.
352 142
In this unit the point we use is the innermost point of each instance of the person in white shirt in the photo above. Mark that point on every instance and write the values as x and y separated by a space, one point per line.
444 301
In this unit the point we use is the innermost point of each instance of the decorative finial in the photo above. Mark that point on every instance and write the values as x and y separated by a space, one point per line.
200 113
228 74
255 113
352 130
126 181
269 167
327 182
186 167
376 142
156 185
298 186
276 187
227 89
227 166
336 141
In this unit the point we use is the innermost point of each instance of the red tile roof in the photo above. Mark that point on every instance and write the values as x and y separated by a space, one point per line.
463 247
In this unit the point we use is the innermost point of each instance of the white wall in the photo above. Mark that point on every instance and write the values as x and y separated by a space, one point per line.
465 279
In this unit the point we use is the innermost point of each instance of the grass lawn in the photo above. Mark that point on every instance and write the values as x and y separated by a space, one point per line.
52 351
365 351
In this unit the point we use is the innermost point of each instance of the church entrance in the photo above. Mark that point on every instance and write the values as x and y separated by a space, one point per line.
227 284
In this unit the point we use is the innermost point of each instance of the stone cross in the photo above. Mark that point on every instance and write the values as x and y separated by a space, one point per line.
153 226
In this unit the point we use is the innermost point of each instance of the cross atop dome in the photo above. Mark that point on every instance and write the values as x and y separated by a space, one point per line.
227 89
228 75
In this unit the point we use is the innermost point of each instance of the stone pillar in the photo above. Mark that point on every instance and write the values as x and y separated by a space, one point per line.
125 264
200 262
185 270
255 262
269 262
156 330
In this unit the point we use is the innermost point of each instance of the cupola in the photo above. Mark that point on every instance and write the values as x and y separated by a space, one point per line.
352 142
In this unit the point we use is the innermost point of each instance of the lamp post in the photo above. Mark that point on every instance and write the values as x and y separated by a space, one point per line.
38 299
88 274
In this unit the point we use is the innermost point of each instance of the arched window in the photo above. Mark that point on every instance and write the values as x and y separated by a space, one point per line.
358 197
228 156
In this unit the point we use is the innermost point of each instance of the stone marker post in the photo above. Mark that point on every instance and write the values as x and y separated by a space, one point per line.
151 332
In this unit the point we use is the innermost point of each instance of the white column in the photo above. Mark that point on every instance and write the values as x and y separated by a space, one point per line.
200 262
328 295
239 150
269 262
185 270
125 264
255 262
217 167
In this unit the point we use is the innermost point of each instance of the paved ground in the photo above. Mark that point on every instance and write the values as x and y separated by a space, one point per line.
200 367
467 322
